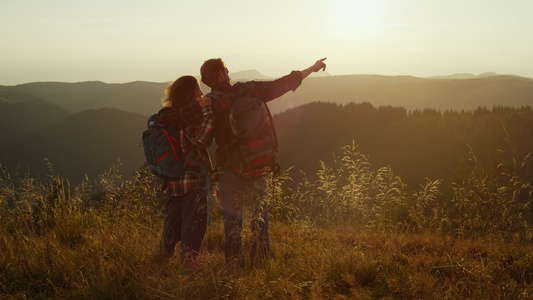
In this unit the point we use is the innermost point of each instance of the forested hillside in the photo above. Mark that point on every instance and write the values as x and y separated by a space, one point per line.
86 143
22 113
415 144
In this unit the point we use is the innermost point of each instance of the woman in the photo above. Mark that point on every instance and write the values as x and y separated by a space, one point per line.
186 208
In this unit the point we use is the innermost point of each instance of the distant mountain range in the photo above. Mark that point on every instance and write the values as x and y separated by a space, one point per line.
249 75
413 93
455 92
255 75
82 128
139 97
467 76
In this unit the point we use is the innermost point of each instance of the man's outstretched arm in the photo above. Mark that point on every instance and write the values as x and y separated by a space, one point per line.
270 90
320 64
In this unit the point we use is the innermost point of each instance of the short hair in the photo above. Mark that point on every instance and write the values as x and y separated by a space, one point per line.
210 70
180 92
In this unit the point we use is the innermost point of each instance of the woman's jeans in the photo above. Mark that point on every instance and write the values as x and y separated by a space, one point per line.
185 221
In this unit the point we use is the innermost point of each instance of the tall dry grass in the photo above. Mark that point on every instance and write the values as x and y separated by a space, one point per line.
357 232
479 200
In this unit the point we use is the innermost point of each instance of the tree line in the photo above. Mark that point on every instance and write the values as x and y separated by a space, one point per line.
416 144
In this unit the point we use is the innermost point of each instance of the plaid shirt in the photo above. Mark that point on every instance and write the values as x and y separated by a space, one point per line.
195 138
262 90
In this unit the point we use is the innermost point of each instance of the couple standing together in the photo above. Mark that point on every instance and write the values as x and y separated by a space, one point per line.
200 121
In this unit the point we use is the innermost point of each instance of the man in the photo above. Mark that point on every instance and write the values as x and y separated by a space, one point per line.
236 188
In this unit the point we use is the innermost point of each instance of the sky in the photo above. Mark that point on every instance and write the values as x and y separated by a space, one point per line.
119 41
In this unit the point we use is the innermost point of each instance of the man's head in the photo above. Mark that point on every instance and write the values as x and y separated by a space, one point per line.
213 71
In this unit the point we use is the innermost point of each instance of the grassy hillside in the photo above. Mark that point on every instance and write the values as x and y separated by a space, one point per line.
355 226
355 233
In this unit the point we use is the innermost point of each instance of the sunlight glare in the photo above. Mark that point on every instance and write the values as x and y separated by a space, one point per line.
347 17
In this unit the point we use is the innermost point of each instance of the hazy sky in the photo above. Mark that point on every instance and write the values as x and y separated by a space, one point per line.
128 40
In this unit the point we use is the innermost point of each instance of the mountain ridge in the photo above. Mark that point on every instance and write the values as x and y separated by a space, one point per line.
412 92
408 91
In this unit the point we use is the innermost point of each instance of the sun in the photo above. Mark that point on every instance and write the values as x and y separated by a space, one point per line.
349 17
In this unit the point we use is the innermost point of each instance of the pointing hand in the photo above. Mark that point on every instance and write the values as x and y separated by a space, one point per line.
320 64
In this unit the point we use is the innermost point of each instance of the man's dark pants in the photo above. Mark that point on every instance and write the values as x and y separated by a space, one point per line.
236 192
185 221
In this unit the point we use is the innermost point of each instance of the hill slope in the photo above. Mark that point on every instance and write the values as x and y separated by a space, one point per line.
21 114
85 143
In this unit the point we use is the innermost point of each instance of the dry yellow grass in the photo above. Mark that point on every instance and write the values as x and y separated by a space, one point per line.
115 259
355 233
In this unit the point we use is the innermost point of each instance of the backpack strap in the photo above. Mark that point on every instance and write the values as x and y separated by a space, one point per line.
171 143
274 134
221 107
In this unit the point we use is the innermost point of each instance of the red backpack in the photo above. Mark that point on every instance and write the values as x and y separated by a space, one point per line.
254 137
